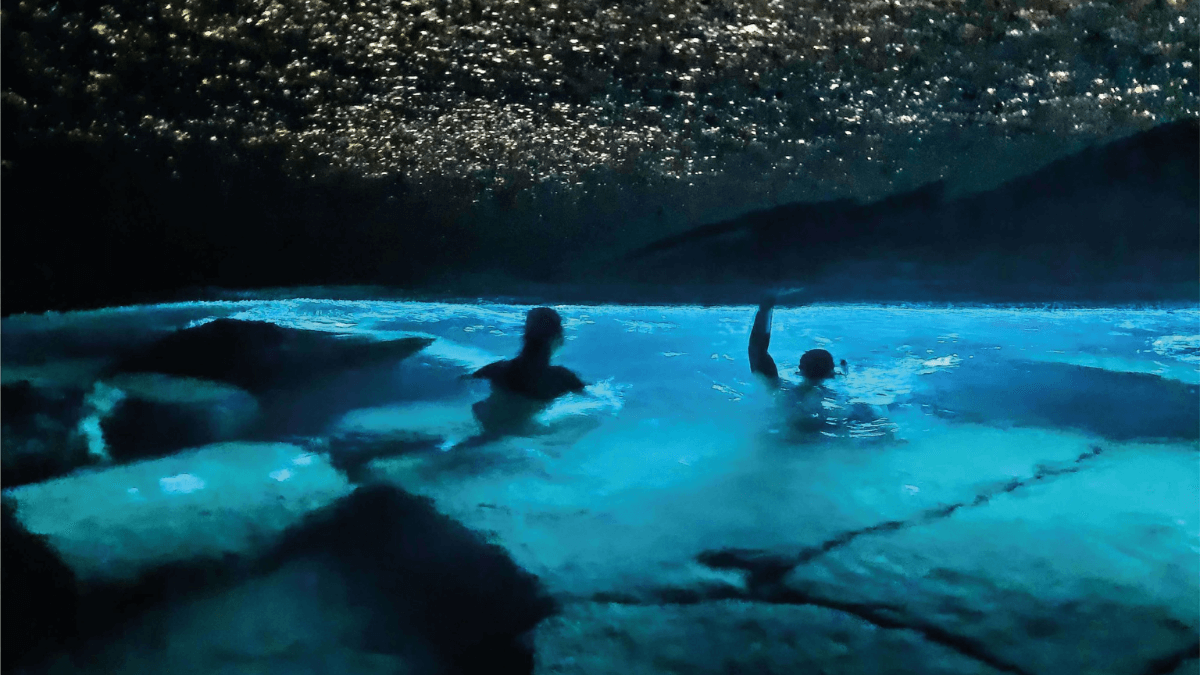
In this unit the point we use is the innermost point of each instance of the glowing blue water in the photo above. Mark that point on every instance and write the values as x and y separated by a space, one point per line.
1023 456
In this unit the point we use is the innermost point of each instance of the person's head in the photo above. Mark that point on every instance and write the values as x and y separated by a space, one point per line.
816 365
543 328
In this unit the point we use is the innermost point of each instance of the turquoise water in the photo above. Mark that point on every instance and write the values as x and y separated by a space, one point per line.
1011 477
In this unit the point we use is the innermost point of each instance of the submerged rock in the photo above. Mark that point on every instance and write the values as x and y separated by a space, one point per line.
373 582
1115 405
40 595
159 414
120 522
39 437
733 636
423 574
260 357
191 388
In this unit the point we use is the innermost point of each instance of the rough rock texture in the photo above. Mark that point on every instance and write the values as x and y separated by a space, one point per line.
40 437
203 504
732 636
158 415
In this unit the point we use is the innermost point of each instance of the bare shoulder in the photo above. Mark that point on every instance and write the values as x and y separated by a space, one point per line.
566 379
492 370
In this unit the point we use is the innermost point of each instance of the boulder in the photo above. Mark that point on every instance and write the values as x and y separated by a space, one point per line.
159 414
39 433
40 595
262 357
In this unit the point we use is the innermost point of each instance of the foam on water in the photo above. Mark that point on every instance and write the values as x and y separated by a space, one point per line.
99 403
1185 348
184 483
600 397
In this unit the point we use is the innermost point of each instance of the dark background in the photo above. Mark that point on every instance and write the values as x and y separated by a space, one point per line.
153 154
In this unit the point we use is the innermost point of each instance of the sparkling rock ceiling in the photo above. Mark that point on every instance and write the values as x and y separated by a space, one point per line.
512 93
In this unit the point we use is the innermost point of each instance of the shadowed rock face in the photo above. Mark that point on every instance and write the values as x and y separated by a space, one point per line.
39 439
194 405
1118 406
140 428
420 573
1124 213
301 378
40 597
426 588
352 453
261 357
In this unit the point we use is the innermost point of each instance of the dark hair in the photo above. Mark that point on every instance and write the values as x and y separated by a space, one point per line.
542 325
816 364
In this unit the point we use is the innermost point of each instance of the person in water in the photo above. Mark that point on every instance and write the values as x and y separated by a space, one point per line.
816 365
812 407
523 385
530 373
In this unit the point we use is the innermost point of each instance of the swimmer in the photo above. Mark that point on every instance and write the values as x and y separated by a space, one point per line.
812 407
816 365
523 385
530 373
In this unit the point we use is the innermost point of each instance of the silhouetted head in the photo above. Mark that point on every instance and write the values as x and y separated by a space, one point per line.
543 327
816 364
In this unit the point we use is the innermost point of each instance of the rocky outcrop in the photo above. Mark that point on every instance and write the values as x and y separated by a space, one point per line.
424 575
390 575
157 415
190 388
262 357
40 595
39 437
1116 222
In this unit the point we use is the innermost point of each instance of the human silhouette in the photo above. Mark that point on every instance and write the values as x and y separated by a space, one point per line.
812 407
530 373
816 365
523 385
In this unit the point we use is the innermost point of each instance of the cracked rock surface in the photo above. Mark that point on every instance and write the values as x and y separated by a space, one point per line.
731 635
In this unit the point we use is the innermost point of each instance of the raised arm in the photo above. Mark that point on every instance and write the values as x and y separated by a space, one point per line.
760 340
